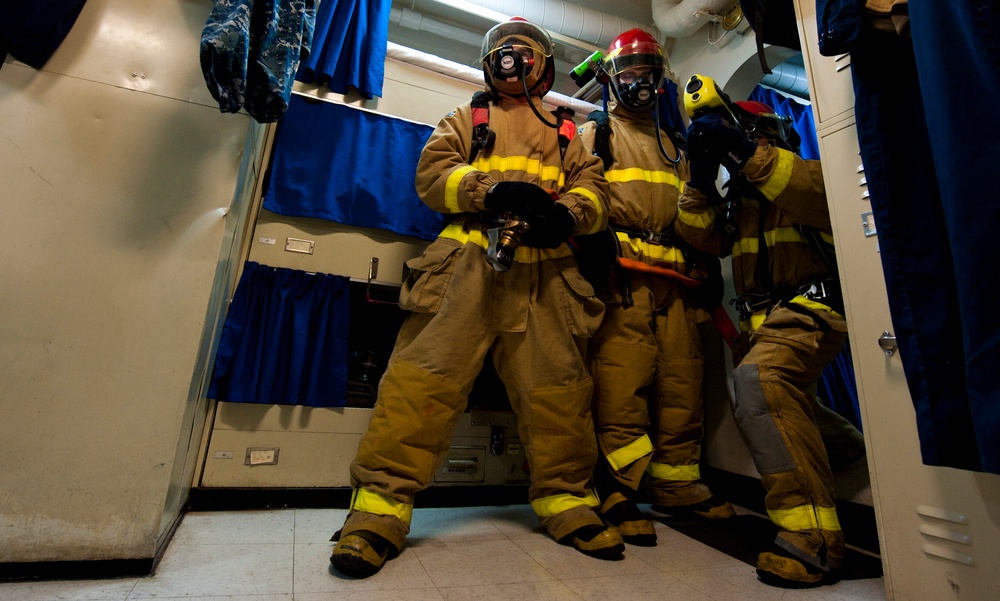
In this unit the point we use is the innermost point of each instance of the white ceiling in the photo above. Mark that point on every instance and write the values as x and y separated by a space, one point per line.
456 34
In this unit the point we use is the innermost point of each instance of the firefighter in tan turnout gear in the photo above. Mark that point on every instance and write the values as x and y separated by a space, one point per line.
776 224
646 359
491 283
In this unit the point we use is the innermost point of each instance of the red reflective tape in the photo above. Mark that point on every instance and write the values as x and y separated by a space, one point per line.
480 116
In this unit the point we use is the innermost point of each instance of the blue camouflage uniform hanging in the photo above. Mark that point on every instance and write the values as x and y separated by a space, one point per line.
250 51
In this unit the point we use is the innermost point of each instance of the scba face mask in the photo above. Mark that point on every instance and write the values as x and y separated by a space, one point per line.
637 91
518 55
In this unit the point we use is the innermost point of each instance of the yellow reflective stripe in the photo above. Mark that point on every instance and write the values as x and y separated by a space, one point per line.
451 188
811 304
782 234
828 238
555 504
523 254
674 472
639 447
518 163
701 219
653 251
372 502
598 207
776 184
751 325
633 174
805 517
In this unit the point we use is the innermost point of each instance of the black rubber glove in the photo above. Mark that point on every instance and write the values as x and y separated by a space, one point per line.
521 199
728 145
551 231
704 171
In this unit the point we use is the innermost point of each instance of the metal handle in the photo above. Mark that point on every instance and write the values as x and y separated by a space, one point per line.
887 342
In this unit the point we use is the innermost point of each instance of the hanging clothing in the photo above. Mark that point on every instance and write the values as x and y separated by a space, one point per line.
802 119
355 167
928 152
250 50
32 31
284 340
351 39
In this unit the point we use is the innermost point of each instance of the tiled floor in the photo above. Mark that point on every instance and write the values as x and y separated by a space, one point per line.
464 554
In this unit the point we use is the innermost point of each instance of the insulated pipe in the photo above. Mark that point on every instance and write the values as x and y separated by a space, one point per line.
565 18
474 76
681 18
413 20
789 78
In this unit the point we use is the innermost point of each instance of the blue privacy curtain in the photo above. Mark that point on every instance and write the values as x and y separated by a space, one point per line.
349 46
801 114
351 166
284 340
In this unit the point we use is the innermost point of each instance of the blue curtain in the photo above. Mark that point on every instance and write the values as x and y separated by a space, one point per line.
349 46
801 114
284 340
351 166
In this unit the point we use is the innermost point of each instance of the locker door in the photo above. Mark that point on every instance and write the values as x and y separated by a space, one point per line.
939 528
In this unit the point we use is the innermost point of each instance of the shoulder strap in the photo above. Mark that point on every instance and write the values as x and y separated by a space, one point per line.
565 126
482 136
602 137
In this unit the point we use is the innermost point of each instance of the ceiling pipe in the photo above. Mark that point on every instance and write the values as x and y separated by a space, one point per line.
474 76
788 77
411 19
681 18
558 16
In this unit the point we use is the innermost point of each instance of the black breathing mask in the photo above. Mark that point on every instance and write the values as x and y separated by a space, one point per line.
508 64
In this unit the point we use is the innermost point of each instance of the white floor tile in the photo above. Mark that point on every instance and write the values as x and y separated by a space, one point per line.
658 586
314 574
68 590
220 570
565 562
516 521
410 594
235 528
453 524
551 590
675 552
317 525
478 563
740 583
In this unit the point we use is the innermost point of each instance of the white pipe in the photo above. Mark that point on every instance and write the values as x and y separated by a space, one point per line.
557 16
413 20
475 76
681 18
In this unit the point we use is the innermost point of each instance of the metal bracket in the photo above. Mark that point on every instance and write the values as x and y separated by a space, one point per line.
887 342
372 274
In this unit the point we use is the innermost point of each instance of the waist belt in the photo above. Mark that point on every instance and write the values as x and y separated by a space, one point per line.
661 238
822 290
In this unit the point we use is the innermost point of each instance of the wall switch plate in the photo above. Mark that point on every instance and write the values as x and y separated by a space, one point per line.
261 456
297 245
